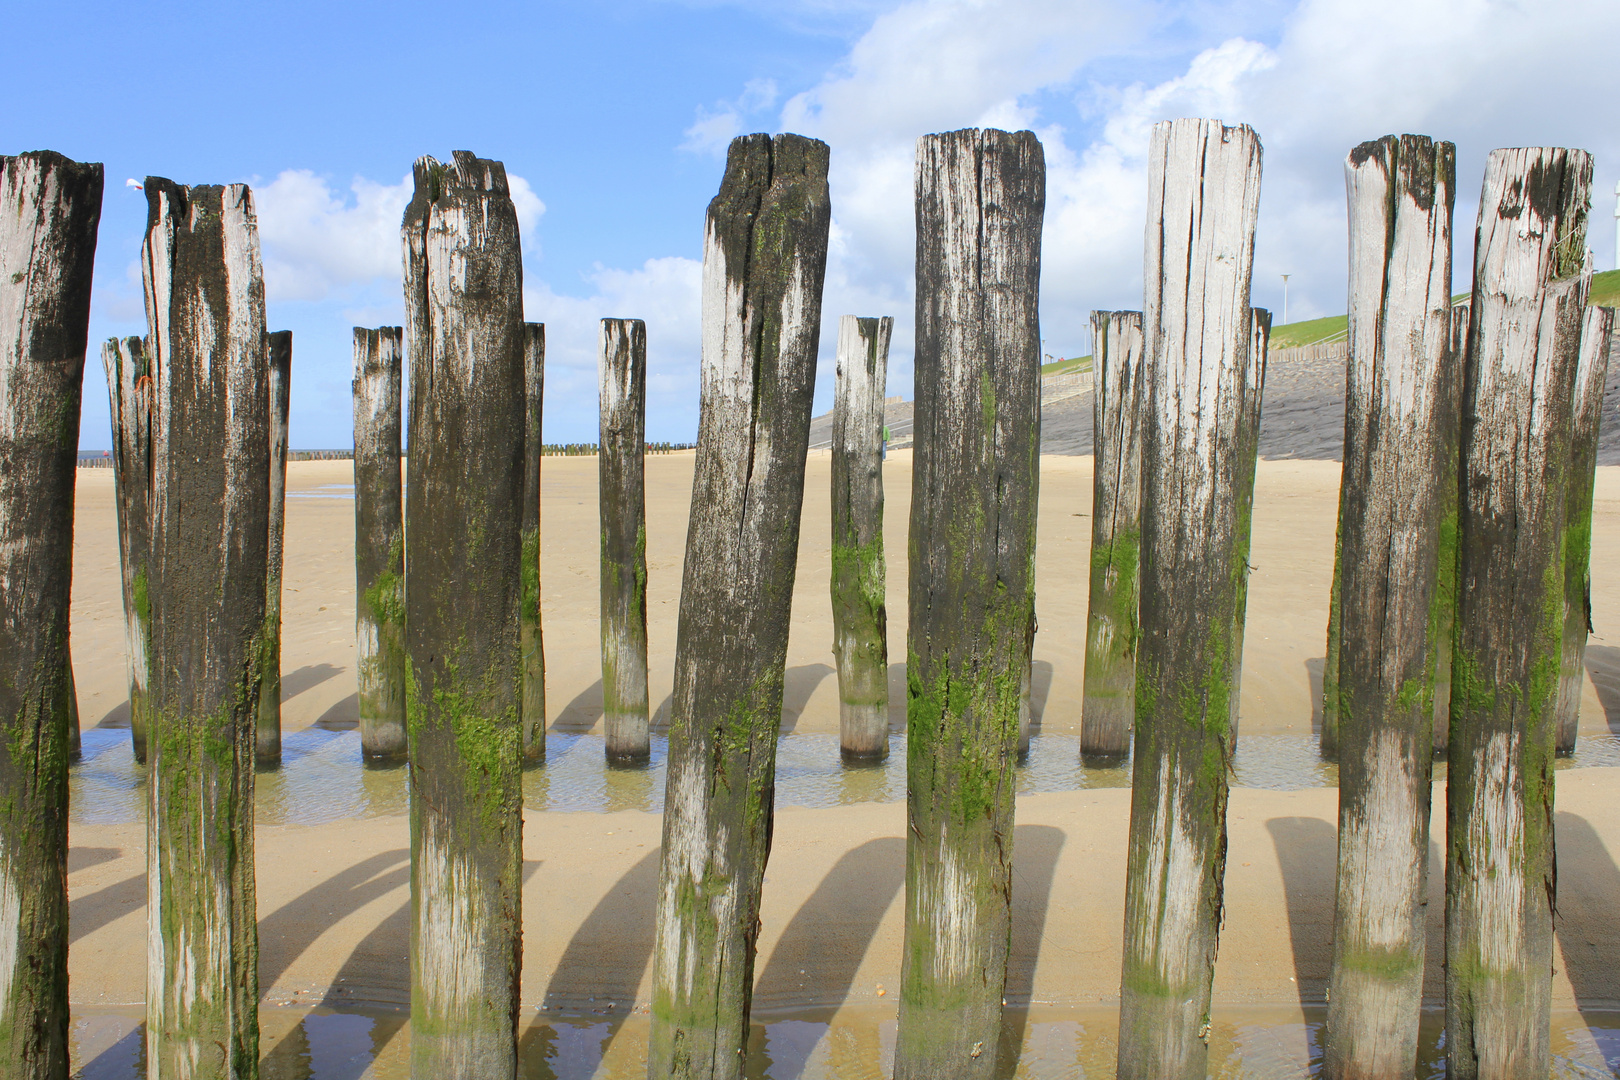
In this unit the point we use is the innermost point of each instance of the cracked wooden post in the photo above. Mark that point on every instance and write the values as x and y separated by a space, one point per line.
531 642
50 208
465 339
1445 582
1109 706
210 527
1198 334
1392 503
980 199
382 669
1246 447
859 581
622 373
764 260
129 392
1523 351
268 744
1590 375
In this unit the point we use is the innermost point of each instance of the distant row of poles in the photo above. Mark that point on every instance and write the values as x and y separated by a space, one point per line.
1462 520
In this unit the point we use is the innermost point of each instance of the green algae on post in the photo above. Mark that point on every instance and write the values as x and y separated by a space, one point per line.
210 524
1523 351
1199 386
1400 402
859 582
129 392
764 261
532 646
268 742
622 377
980 201
50 208
465 339
379 543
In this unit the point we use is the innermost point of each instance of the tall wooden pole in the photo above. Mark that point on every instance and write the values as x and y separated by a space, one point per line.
129 390
381 667
1590 375
1109 706
1391 507
981 196
1523 352
1197 328
207 568
859 582
622 371
1246 447
532 642
1445 582
50 208
268 745
465 339
764 260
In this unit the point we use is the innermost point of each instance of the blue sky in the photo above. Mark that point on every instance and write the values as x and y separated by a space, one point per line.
614 117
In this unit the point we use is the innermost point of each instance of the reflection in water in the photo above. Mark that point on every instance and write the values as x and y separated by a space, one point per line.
850 1044
322 777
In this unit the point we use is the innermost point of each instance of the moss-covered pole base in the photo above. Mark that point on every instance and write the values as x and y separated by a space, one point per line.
129 392
980 200
267 751
859 582
1203 194
532 642
1116 523
50 208
1590 376
210 527
622 371
1523 350
764 261
381 666
465 339
1399 401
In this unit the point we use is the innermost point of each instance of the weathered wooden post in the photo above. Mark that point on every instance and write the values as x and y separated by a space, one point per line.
1109 706
1523 351
1203 195
1392 502
622 372
465 340
1445 582
1590 374
859 581
532 642
50 208
1246 447
381 667
981 196
764 260
129 390
268 745
210 525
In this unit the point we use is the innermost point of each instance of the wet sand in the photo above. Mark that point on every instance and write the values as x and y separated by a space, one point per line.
333 898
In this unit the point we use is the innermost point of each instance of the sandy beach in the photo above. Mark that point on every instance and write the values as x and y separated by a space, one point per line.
334 898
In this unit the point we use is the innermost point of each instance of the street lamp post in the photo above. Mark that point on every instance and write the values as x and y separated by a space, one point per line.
1285 277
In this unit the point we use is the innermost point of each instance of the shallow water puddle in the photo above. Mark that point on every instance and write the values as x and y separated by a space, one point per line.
851 1044
323 778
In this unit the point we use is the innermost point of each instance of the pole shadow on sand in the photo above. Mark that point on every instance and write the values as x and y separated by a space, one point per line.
1307 852
1588 882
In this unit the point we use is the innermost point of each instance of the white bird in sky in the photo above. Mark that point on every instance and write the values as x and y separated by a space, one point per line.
133 183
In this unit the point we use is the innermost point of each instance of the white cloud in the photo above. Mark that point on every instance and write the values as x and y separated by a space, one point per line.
714 128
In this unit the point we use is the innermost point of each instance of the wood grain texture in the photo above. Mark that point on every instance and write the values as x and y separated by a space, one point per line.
1198 333
980 198
1591 373
382 669
207 568
1523 351
1443 632
859 579
268 741
50 208
465 342
765 257
1400 402
1109 705
129 393
531 640
622 375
